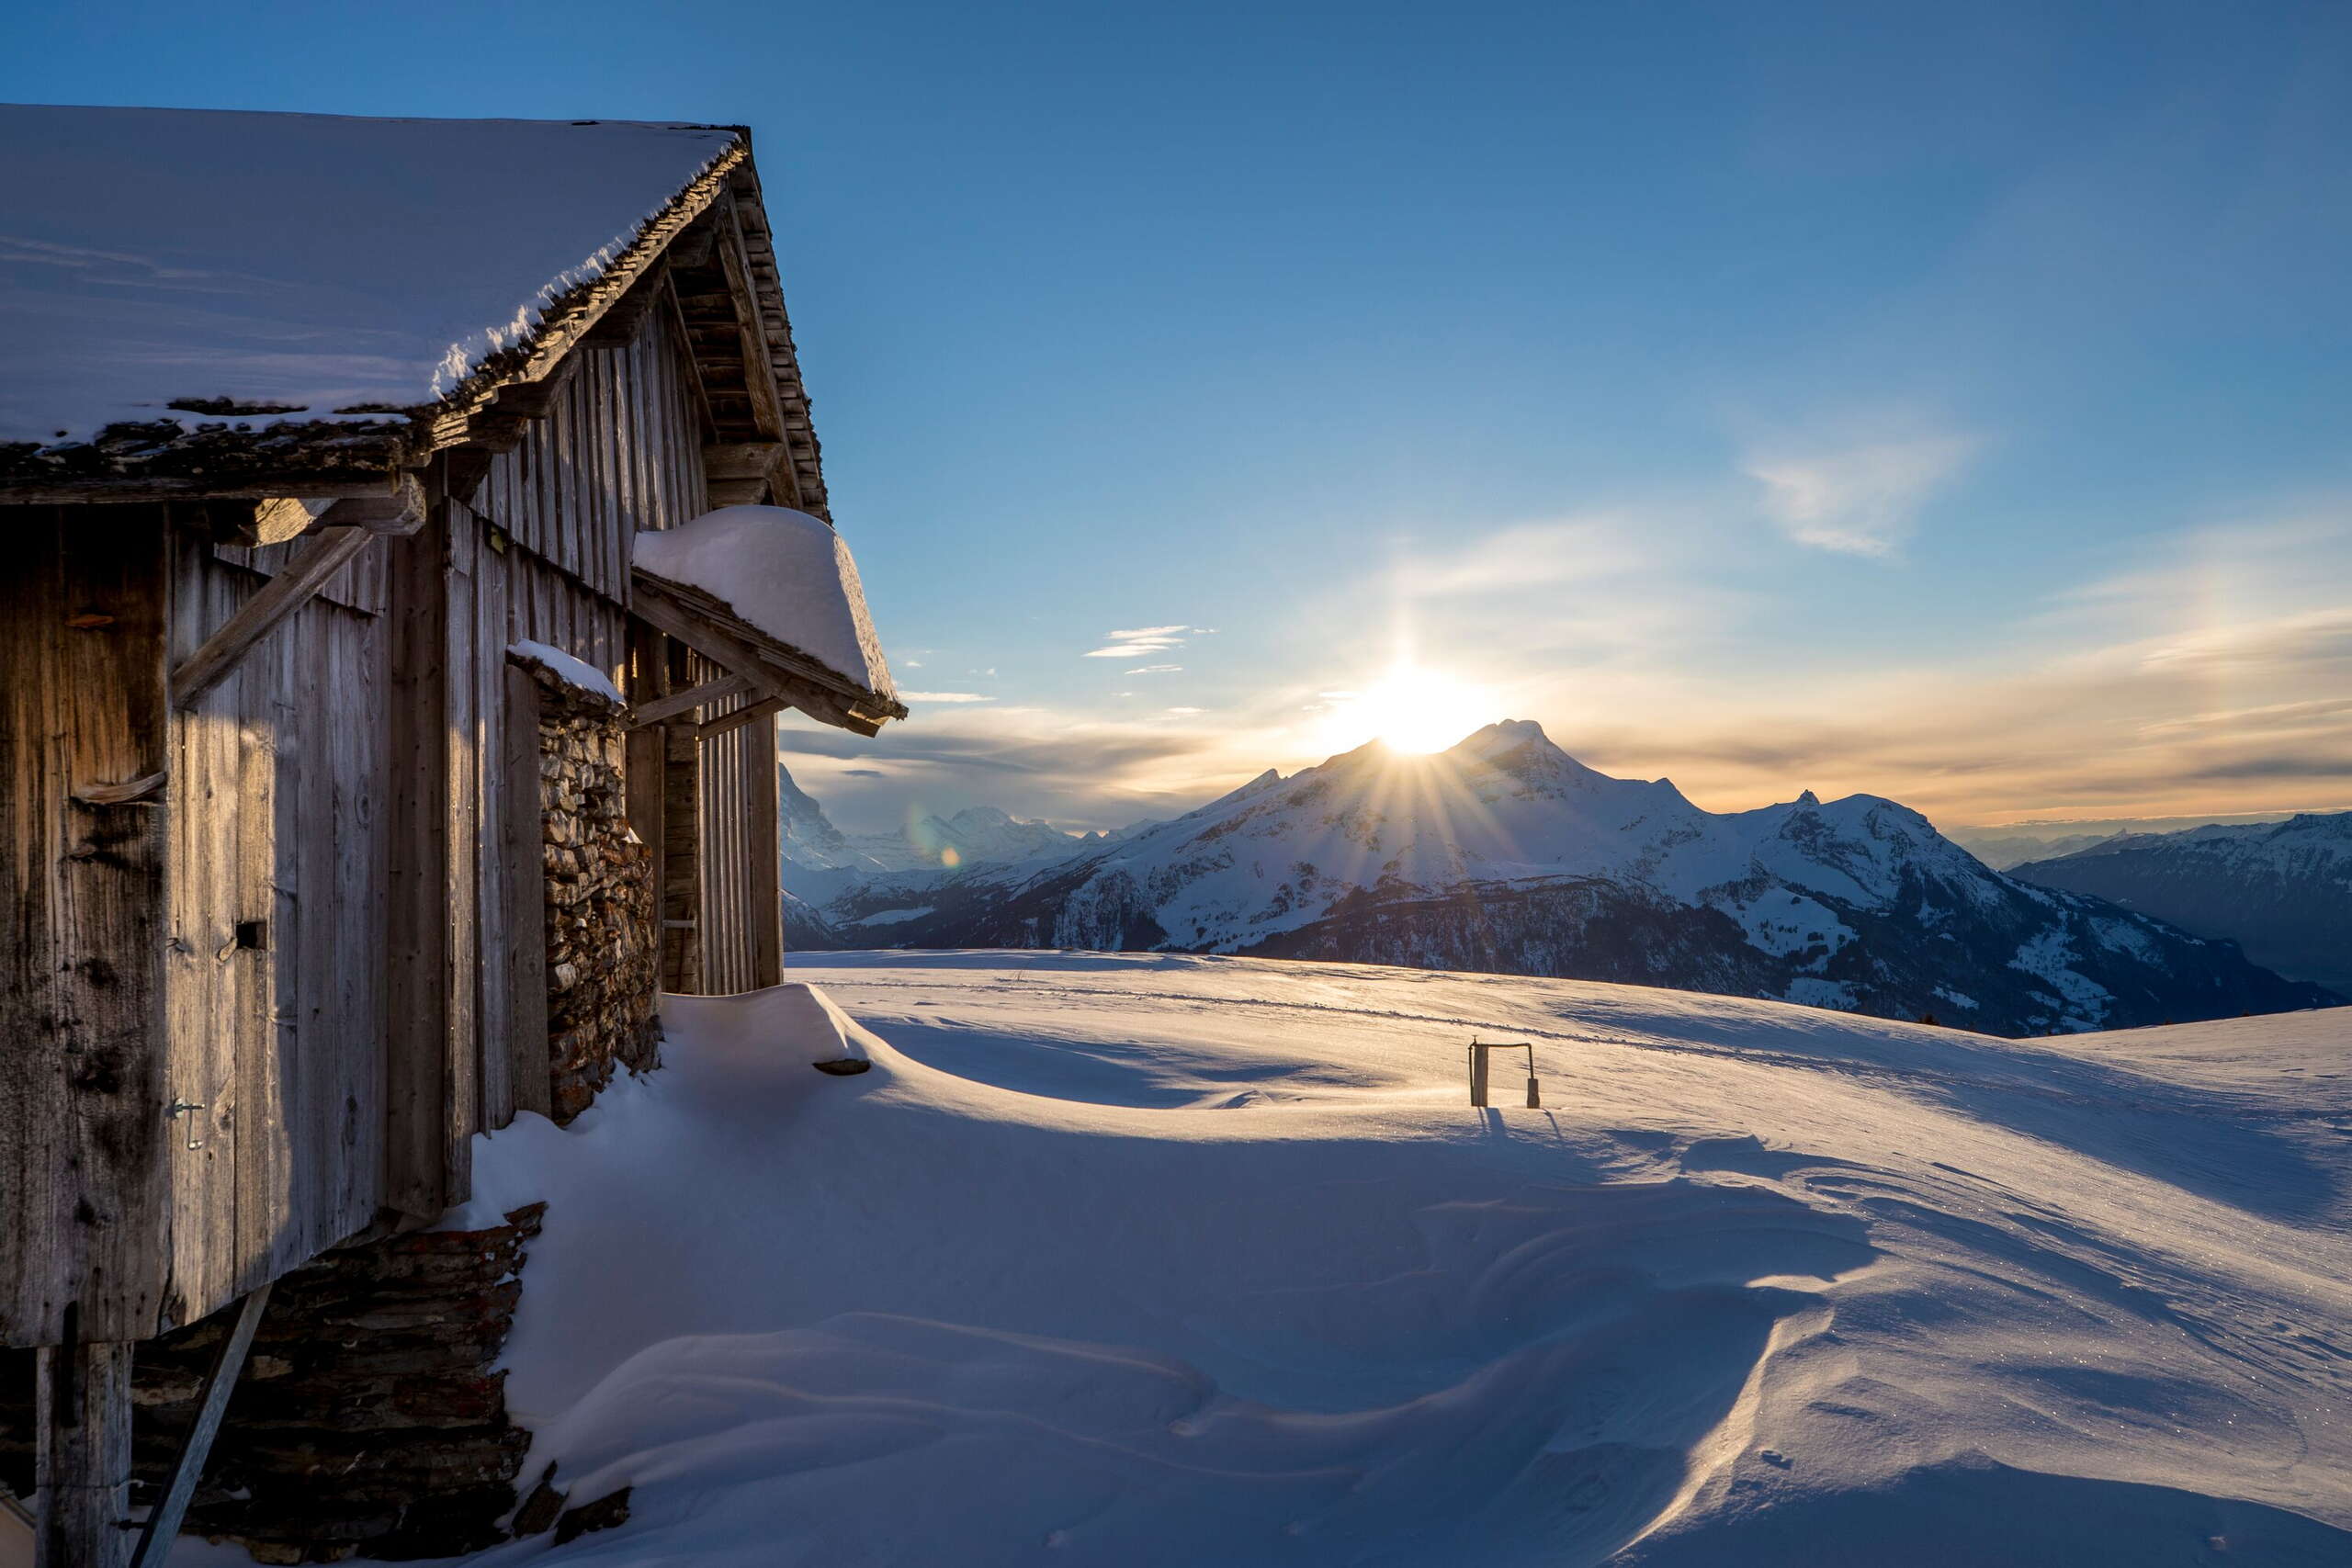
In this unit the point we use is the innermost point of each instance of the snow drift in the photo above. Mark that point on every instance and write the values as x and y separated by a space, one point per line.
1155 1259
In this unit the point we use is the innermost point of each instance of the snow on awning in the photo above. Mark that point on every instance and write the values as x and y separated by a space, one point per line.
772 595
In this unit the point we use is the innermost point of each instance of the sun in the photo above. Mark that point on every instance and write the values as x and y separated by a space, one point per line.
1409 709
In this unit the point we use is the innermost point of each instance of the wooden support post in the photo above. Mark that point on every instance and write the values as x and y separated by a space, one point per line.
1477 1073
681 860
163 1524
85 728
430 884
764 833
524 859
81 1471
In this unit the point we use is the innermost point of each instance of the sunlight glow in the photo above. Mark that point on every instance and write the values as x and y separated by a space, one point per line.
1409 709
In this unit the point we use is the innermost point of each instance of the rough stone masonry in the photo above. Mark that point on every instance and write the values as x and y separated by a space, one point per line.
603 939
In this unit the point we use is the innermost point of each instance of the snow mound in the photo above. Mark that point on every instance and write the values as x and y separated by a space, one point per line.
784 571
1150 1260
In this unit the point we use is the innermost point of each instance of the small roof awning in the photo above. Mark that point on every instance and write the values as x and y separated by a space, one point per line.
771 596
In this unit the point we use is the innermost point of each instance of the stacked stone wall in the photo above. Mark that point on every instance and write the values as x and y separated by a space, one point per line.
602 941
369 1419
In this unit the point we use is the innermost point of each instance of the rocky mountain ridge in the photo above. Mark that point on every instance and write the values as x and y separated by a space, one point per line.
1506 854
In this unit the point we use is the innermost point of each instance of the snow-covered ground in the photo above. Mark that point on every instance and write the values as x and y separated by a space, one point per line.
1150 1260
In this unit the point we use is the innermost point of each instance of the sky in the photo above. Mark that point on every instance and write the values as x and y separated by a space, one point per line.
1949 403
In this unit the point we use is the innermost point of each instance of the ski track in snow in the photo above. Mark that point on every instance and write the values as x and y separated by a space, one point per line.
1155 1259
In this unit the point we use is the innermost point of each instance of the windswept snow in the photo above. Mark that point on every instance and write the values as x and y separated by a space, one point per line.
311 262
784 571
1147 1260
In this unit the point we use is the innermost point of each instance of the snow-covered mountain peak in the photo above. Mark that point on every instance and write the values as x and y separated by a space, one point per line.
1505 852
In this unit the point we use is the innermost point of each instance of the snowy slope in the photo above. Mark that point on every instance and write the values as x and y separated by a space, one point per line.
1505 853
1129 1260
2282 890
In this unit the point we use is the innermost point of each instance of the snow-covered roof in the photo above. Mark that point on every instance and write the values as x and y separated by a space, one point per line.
784 582
317 279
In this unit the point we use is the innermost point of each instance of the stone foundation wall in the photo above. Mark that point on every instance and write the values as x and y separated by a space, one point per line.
369 1420
604 942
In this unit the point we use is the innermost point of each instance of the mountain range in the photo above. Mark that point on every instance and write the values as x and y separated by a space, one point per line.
1505 854
2283 889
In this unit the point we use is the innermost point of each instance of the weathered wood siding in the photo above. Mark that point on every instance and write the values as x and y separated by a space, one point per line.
291 938
619 449
276 1030
83 1179
743 911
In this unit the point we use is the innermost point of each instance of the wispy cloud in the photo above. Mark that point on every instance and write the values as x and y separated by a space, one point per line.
946 697
1155 670
1142 642
1858 499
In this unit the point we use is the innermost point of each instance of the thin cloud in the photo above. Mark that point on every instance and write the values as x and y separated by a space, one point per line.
1156 670
946 697
1858 500
1142 642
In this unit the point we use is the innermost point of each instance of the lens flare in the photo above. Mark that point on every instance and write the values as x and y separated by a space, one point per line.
1409 709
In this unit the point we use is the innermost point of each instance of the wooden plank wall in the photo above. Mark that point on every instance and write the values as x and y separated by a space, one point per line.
279 772
348 798
620 450
83 1177
742 913
359 586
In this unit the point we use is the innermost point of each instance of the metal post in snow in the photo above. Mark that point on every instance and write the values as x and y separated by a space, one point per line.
1479 1070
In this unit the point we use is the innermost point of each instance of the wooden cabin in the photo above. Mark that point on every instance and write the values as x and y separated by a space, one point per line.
357 787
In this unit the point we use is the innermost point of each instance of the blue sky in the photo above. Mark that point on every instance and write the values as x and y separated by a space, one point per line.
1948 402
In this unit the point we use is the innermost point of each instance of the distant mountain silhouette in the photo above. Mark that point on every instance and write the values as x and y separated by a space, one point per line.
1506 854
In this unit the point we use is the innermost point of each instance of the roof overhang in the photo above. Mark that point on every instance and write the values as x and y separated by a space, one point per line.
779 674
717 227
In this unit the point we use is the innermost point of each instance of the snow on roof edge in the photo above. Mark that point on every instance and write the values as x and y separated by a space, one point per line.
157 439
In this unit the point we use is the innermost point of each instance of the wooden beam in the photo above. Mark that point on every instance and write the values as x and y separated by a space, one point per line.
685 349
399 511
81 1471
662 708
748 473
759 366
264 613
162 1527
765 707
811 703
